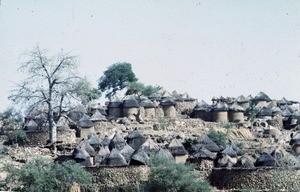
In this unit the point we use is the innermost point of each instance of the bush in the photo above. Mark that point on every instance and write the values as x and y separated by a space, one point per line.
40 175
17 137
218 137
170 176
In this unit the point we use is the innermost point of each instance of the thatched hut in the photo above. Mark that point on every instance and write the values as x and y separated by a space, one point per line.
154 97
130 107
236 113
261 99
85 127
115 108
77 112
168 106
202 111
220 112
117 142
115 159
135 139
178 151
265 113
97 116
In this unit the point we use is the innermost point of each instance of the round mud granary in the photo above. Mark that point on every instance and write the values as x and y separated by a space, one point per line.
114 108
220 113
202 111
149 108
130 107
168 106
236 113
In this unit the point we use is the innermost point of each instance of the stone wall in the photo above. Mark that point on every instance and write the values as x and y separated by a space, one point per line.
37 138
275 179
118 176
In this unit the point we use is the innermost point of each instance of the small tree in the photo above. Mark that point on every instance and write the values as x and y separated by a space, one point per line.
10 119
40 175
115 77
170 176
51 84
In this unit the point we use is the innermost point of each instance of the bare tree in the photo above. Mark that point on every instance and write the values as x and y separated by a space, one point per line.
51 83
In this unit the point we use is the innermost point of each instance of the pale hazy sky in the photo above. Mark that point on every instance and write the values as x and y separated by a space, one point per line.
205 48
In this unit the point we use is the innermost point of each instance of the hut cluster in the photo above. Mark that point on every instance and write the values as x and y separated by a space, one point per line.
116 150
286 113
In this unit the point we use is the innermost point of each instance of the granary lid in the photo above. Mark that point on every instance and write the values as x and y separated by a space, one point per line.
176 148
167 102
149 146
221 106
130 101
147 103
236 107
249 98
166 94
202 106
261 96
187 97
97 116
265 111
85 122
154 96
276 111
115 103
176 96
284 101
214 98
242 99
115 158
286 112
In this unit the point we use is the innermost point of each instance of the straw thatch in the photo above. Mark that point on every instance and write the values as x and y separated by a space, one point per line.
261 96
168 102
241 99
176 148
130 102
117 142
229 151
107 139
207 143
154 96
102 154
139 157
135 139
127 152
265 160
85 145
63 123
85 122
165 154
115 159
204 153
31 126
97 116
94 141
80 153
149 146
264 112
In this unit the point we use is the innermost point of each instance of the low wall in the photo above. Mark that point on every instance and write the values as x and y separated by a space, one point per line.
118 176
275 179
37 138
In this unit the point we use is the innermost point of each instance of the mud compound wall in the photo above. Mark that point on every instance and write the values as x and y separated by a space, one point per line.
275 179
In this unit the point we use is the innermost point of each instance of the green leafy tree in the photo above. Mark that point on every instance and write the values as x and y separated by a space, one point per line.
40 175
166 175
115 78
140 89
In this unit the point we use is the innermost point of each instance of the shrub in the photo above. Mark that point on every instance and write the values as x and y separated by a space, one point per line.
164 123
17 137
218 137
166 175
40 175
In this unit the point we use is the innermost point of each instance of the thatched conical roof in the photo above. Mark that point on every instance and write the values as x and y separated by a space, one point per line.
135 139
115 159
242 99
94 141
85 145
261 96
187 97
249 98
229 151
139 157
102 154
127 152
80 153
265 160
221 106
204 153
168 102
236 107
130 101
107 139
176 96
286 112
238 151
265 112
97 116
115 103
149 146
245 162
202 106
117 142
176 148
147 103
276 111
31 125
166 94
284 101
207 143
154 96
164 153
85 122
63 123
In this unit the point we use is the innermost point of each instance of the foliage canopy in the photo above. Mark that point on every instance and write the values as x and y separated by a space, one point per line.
115 78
